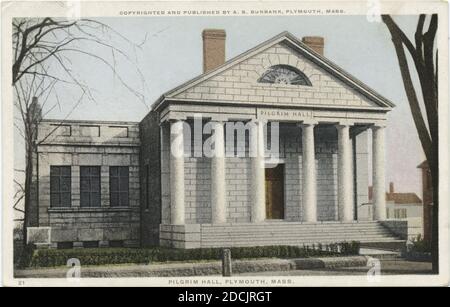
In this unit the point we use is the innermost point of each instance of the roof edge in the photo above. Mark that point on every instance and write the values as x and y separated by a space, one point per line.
87 121
262 105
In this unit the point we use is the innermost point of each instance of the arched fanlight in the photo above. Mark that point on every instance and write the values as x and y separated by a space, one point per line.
284 74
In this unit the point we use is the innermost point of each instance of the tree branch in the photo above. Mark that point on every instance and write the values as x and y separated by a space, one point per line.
421 127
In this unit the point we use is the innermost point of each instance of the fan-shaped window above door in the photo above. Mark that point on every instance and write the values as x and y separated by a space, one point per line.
284 74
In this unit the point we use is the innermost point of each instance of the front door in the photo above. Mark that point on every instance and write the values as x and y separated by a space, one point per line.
275 192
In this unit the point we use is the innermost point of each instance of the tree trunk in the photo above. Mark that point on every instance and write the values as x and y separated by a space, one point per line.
422 54
434 169
28 191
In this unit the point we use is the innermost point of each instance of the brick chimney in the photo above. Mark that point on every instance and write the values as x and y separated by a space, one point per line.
316 43
213 48
391 188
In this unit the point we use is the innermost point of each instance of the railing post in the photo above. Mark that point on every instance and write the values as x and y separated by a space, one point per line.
226 262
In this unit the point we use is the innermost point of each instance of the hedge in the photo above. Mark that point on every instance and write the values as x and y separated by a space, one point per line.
104 256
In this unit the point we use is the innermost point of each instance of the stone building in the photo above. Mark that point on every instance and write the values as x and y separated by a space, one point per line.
88 183
400 206
289 132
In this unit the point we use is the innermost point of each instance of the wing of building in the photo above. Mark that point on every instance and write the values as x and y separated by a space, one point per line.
400 206
270 147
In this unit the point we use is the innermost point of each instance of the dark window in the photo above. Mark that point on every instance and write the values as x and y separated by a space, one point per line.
60 186
90 186
118 185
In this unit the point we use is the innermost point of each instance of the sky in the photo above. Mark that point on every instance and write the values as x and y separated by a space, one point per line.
170 53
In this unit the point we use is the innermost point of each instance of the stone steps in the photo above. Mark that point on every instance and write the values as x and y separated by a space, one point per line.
299 234
287 223
388 245
295 233
301 240
292 242
306 227
290 226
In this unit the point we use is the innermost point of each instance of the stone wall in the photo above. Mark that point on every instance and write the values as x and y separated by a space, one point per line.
165 174
397 227
197 182
238 180
361 152
150 170
239 83
86 143
102 225
326 168
326 162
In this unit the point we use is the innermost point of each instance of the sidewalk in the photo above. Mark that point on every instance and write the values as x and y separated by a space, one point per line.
199 269
387 267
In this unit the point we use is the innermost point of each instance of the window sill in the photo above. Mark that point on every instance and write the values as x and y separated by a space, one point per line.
98 209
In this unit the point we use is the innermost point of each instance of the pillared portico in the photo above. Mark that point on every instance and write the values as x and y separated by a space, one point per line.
318 173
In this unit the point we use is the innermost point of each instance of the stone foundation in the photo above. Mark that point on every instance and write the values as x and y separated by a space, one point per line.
180 236
399 228
95 225
39 236
276 233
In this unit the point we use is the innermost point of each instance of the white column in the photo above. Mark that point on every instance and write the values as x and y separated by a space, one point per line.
379 189
218 185
345 182
309 174
176 173
258 172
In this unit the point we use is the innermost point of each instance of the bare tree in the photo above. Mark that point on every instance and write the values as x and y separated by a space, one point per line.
43 50
424 55
19 195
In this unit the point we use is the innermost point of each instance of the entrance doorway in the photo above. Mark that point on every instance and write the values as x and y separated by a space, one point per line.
275 192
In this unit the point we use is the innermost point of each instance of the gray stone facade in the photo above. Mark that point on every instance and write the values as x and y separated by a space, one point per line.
85 143
193 201
341 110
150 176
239 83
238 179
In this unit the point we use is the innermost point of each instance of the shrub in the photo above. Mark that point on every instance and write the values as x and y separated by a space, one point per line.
22 255
419 245
104 256
349 248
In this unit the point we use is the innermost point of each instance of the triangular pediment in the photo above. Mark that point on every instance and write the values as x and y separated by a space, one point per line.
240 80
